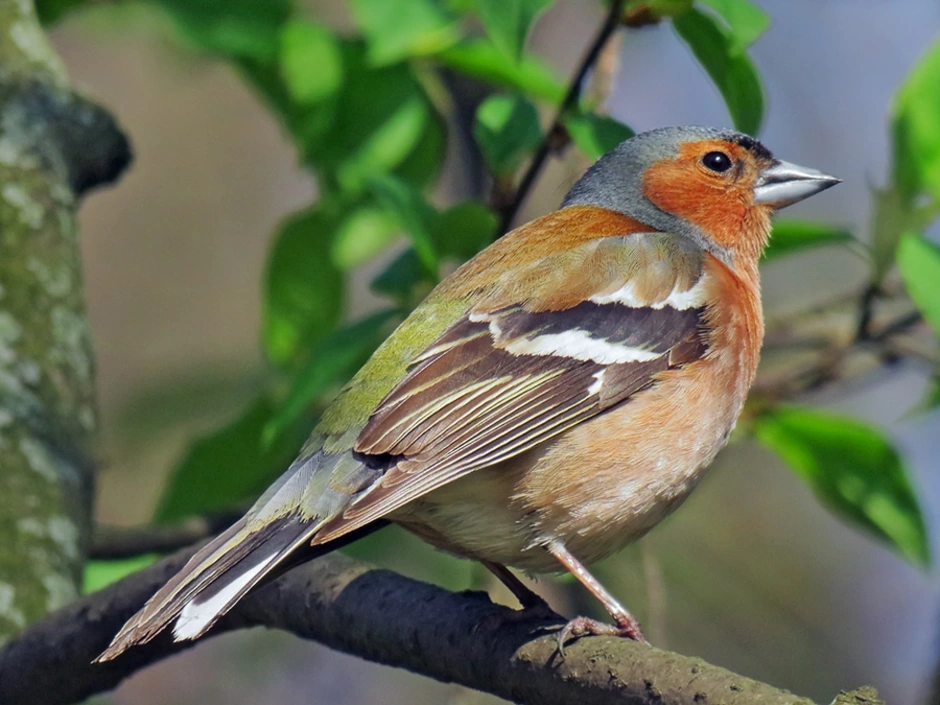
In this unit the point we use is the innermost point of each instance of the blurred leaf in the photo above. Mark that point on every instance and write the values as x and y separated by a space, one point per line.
463 230
379 121
731 70
311 62
397 29
915 118
919 263
594 134
231 466
401 276
746 21
506 130
336 360
303 289
380 117
100 574
232 28
483 60
414 214
853 470
365 232
424 163
51 11
508 22
890 217
792 235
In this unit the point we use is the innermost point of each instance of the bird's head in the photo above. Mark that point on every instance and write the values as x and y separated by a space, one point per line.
718 187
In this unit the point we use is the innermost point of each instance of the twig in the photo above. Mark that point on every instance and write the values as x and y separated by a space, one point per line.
116 542
612 21
866 310
384 617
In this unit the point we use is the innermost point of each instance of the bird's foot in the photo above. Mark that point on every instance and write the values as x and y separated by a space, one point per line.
626 627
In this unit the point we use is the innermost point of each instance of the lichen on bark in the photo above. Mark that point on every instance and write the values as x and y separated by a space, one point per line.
47 410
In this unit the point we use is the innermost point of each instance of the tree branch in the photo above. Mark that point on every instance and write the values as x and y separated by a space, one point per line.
612 21
384 617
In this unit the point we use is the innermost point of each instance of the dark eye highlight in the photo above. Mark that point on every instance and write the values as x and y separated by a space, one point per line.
717 161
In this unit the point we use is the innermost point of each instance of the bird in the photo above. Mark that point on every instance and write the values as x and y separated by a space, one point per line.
550 401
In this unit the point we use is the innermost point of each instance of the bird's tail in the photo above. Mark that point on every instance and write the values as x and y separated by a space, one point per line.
212 581
275 535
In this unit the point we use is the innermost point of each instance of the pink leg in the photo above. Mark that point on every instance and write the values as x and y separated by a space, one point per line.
625 625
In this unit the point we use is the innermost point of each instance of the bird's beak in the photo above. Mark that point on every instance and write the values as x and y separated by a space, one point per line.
783 184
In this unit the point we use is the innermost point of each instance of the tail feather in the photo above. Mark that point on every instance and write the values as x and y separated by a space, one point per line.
276 534
212 581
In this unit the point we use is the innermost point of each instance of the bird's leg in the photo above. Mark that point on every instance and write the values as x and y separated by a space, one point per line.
527 598
533 606
625 624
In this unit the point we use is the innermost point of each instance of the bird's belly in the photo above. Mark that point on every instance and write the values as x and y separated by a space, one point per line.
594 488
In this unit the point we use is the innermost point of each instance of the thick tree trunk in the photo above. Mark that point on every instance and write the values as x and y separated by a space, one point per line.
53 146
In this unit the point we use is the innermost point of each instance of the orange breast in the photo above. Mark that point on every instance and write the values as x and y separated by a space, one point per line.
609 480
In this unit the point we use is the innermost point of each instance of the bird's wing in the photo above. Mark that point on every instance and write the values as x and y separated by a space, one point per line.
508 376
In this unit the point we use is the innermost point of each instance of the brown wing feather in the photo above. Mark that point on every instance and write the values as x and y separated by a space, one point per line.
469 403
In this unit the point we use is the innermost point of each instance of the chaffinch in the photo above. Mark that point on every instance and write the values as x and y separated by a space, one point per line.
550 401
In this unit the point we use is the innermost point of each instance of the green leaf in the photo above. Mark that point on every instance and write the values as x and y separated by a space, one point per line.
731 70
463 230
891 216
100 574
379 119
402 276
916 114
507 130
594 134
919 264
232 28
853 470
336 360
422 166
745 20
303 288
310 62
365 232
508 22
483 60
398 29
793 235
51 11
229 467
414 214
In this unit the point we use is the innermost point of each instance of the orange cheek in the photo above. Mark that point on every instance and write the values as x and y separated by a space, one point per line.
722 212
677 188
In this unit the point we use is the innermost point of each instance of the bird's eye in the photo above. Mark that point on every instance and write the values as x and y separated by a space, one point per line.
717 161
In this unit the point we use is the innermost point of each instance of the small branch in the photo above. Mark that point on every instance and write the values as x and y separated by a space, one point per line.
866 310
384 617
117 542
897 326
612 21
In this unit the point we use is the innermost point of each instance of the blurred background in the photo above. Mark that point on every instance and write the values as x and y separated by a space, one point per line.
752 574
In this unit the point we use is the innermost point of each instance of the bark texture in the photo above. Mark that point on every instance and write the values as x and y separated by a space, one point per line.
54 145
384 617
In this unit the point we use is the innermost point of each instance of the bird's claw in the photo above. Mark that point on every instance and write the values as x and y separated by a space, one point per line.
626 627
